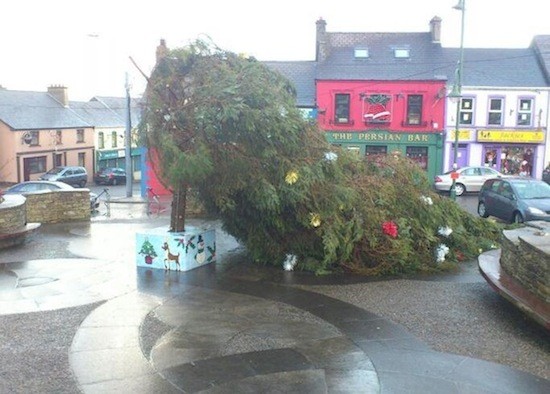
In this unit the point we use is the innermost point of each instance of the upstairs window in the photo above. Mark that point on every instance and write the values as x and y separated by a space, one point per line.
341 108
35 140
466 116
58 139
525 112
414 109
113 139
80 135
496 108
101 140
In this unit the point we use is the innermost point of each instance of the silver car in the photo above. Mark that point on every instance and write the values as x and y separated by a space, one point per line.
33 187
470 179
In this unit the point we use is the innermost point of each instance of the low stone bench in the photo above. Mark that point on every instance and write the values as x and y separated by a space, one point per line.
17 236
520 271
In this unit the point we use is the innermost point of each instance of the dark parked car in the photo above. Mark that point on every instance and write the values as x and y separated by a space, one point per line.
76 176
33 187
515 199
110 176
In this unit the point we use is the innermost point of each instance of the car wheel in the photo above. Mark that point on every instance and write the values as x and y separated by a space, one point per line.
82 184
482 210
518 218
114 182
459 189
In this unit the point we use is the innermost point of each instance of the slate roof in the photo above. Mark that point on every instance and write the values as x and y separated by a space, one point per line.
541 45
483 67
22 110
497 67
107 111
302 75
340 63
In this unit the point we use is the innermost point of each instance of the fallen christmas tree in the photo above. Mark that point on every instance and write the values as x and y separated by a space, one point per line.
227 127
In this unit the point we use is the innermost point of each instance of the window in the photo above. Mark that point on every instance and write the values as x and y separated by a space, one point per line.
375 150
414 109
341 110
58 160
496 108
36 165
466 111
34 138
525 112
419 154
113 139
101 140
82 159
361 53
354 149
58 139
80 135
402 53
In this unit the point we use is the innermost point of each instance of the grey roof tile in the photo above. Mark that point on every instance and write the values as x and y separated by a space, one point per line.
302 75
23 110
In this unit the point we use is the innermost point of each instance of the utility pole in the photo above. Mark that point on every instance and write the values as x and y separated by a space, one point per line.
128 142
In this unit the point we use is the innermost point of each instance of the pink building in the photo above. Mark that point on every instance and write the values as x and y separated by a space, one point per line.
38 131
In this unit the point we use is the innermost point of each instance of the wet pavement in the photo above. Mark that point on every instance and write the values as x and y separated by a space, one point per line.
228 327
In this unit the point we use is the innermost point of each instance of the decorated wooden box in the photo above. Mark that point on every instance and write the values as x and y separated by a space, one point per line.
159 248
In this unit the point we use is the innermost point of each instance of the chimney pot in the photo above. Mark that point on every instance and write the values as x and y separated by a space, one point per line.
435 29
60 93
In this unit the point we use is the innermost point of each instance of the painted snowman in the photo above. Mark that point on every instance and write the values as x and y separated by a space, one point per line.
201 253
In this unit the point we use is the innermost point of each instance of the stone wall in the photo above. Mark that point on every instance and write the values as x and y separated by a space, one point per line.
59 206
526 256
12 214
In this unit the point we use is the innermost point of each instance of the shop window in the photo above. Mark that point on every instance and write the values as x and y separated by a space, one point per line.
517 160
372 150
496 108
466 116
490 158
36 165
414 110
354 149
418 154
101 140
342 108
80 135
525 112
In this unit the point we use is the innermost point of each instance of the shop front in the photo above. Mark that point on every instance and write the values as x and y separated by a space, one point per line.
513 152
424 148
116 158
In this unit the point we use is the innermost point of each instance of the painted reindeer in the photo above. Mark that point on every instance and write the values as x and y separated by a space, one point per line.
169 257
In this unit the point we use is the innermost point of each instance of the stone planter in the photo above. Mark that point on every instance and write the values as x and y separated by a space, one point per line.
161 249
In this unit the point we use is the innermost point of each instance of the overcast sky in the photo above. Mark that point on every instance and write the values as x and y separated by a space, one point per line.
85 45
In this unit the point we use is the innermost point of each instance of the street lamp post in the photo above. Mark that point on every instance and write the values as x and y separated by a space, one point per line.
456 94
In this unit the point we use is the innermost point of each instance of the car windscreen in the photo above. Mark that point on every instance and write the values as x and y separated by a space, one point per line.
56 170
531 190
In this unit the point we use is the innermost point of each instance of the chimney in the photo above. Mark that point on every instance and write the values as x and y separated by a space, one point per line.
59 93
162 50
435 29
321 40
